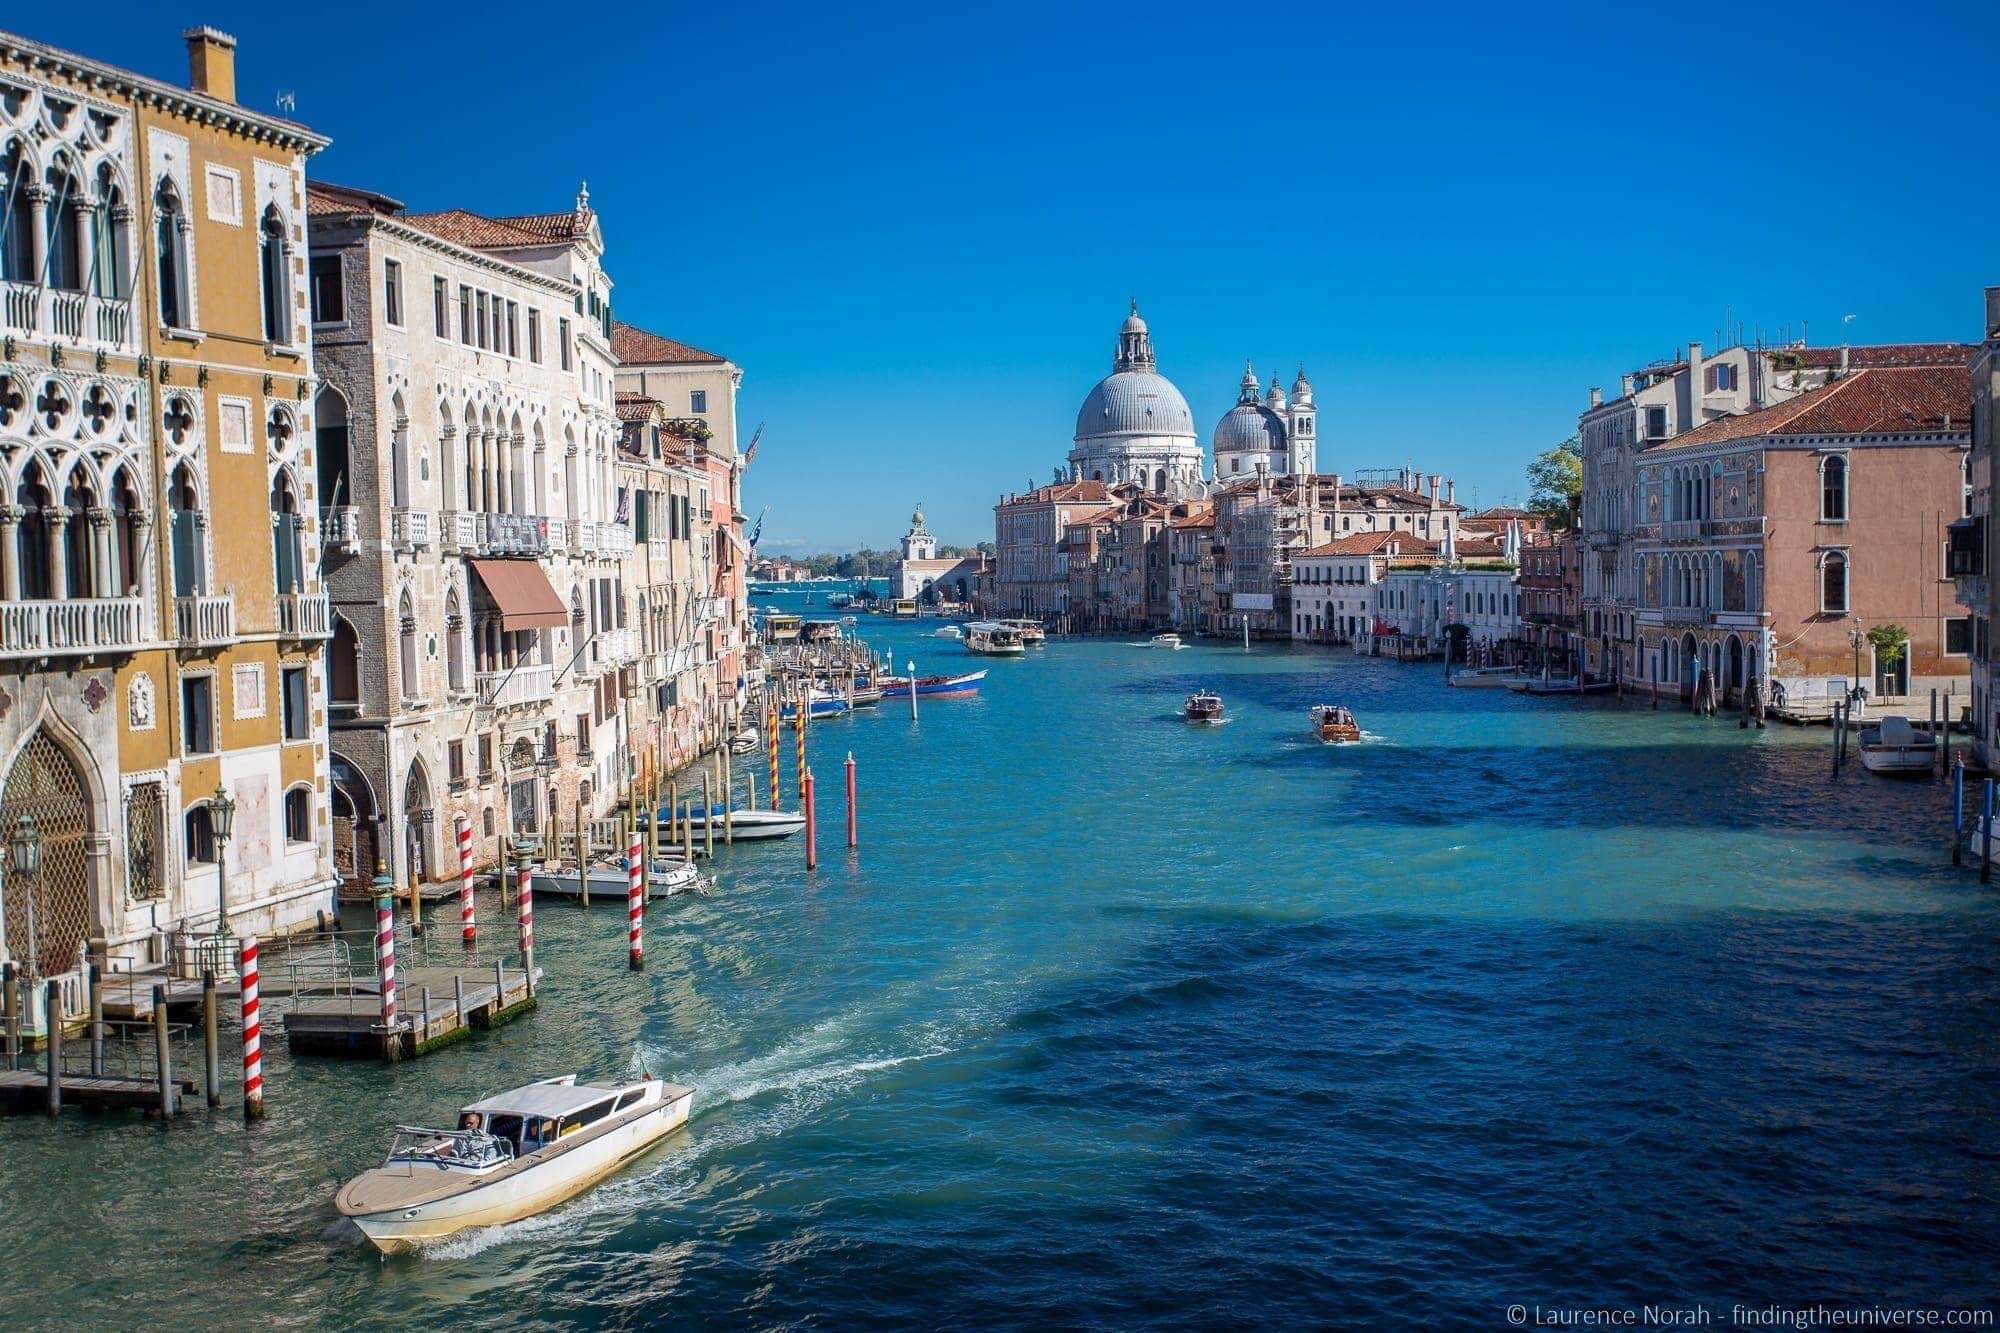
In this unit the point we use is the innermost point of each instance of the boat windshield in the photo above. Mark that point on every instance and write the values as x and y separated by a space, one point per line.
464 1149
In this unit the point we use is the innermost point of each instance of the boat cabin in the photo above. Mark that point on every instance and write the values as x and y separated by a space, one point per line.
904 608
531 1118
780 627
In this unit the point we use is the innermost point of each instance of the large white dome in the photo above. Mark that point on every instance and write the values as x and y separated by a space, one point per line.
1135 426
1134 402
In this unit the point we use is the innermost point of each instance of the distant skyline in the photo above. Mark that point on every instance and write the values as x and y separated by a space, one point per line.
917 230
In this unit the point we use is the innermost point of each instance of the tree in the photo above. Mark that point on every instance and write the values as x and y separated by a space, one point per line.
1891 642
1554 479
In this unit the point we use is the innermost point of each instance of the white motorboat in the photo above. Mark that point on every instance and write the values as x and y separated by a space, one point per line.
1892 745
746 741
1167 640
990 638
949 632
512 1156
669 876
745 825
1485 678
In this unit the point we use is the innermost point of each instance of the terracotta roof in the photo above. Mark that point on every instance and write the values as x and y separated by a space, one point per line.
1200 514
550 226
635 406
1478 548
463 227
1877 401
1885 355
1503 513
1068 492
633 346
1372 543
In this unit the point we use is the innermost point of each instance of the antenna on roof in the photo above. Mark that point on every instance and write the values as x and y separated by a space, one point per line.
288 102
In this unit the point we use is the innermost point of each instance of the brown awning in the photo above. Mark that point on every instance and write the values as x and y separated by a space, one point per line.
526 598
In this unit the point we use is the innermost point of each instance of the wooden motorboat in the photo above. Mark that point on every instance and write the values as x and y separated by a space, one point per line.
1893 745
821 704
1203 706
513 1155
933 687
1333 724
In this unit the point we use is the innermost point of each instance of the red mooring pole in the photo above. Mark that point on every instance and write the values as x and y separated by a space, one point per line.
635 902
853 840
465 922
524 898
253 1033
812 822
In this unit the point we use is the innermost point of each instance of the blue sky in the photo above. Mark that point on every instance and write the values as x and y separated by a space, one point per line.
916 229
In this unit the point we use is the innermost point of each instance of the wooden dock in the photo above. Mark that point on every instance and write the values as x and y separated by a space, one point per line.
28 1090
460 1000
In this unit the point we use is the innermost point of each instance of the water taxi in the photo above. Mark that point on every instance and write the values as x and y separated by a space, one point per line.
932 687
744 825
1485 678
1333 724
1203 706
990 638
512 1156
1167 640
1893 745
948 632
1032 632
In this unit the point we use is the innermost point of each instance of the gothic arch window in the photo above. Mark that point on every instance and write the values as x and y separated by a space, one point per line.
343 666
34 567
330 443
454 639
128 533
406 647
399 453
170 257
198 834
17 222
1833 597
184 533
274 269
79 538
110 238
287 536
64 207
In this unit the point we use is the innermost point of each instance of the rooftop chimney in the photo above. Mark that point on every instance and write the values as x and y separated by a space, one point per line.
211 62
1992 311
1843 358
1596 396
1434 490
1451 486
1624 386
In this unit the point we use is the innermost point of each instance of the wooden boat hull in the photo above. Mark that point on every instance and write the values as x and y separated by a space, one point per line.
523 1194
1338 735
947 687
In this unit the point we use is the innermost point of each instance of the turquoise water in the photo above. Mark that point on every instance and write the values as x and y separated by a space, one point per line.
1113 1019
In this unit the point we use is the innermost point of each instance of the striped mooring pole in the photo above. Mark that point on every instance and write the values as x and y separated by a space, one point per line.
253 1032
812 824
524 897
635 900
771 738
799 708
385 958
465 911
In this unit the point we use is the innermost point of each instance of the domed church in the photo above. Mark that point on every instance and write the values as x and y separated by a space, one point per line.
1272 432
1135 426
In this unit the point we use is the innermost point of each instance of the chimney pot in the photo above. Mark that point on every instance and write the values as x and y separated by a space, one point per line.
1596 396
1624 386
211 62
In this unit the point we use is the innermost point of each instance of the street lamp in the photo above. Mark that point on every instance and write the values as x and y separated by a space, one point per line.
1856 636
24 860
221 821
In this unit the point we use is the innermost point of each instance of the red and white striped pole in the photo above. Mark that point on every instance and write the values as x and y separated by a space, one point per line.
635 902
812 821
385 959
524 896
253 1032
465 922
853 840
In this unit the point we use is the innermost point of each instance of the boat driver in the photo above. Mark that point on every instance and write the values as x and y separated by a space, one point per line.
468 1120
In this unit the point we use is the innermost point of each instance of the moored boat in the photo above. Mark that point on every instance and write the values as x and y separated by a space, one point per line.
929 687
1893 745
820 705
1203 706
746 741
513 1155
742 825
1485 678
667 877
948 632
1333 724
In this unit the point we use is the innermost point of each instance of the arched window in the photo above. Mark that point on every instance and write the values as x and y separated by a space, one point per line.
199 835
275 269
399 454
343 666
287 539
184 532
336 485
454 642
32 536
406 648
170 257
62 266
79 539
1833 489
17 218
1833 582
110 247
298 815
128 529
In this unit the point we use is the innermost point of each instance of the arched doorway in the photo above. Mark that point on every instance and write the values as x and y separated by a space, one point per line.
418 821
1735 663
44 785
1690 658
356 828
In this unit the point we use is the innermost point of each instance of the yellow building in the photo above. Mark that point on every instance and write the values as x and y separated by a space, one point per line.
160 636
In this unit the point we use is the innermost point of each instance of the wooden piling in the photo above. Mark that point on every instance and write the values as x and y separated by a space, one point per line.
416 904
728 800
52 1012
96 1021
635 903
1986 832
852 839
458 997
161 1053
812 826
211 1048
1958 811
524 904
467 931
582 859
10 1001
707 816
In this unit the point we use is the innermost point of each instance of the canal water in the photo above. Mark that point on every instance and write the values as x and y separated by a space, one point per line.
1114 1019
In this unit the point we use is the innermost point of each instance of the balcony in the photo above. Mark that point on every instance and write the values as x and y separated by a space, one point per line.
614 645
1681 530
410 528
343 528
79 627
205 622
304 615
80 317
516 688
589 537
470 533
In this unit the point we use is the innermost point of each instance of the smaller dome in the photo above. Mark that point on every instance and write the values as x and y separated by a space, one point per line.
1249 427
917 518
1276 397
1133 324
1302 389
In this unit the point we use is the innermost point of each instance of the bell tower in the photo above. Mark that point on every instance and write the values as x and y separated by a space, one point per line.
1302 428
918 544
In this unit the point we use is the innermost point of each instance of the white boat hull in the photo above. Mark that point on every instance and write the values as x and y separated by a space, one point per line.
668 878
1911 759
525 1193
